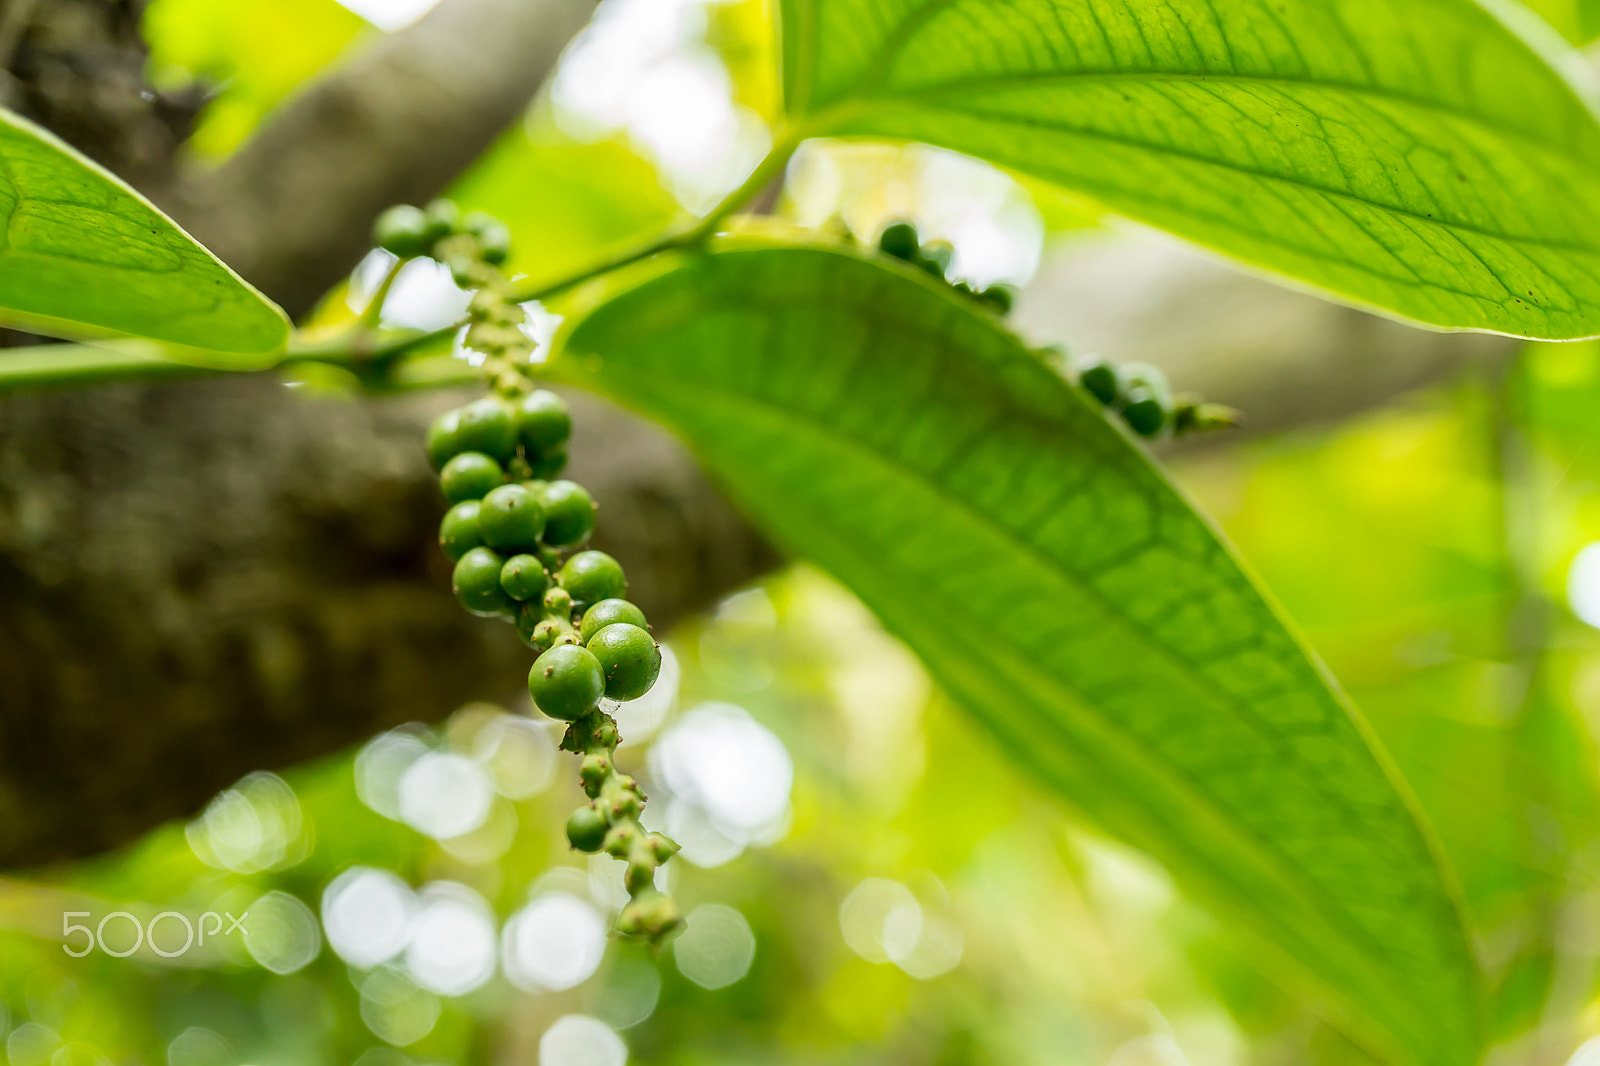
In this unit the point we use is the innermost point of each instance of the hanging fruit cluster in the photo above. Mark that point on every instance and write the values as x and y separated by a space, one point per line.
515 531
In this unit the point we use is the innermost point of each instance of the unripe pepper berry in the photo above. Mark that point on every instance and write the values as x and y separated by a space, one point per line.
524 578
607 612
898 239
511 519
569 514
592 576
1100 379
458 532
543 421
444 439
630 659
487 426
1144 412
1000 296
586 829
476 581
566 682
549 464
402 231
470 476
935 256
444 218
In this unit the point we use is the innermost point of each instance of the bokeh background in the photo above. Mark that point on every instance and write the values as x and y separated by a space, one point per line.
868 878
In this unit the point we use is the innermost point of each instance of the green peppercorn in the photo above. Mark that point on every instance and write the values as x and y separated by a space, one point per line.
630 658
548 465
558 602
1144 412
470 476
488 426
569 514
402 231
444 219
586 829
494 239
593 772
524 578
476 581
592 576
1100 379
935 256
898 239
458 533
662 847
566 681
1142 375
444 439
511 519
641 871
527 620
650 914
543 421
607 612
1000 296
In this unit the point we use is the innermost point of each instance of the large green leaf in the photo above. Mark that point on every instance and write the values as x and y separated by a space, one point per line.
1059 587
81 253
1419 157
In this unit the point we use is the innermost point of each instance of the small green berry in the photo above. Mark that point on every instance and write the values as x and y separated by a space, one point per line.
566 681
620 841
607 612
402 231
569 514
935 256
1000 296
444 439
470 476
511 519
1144 412
586 829
594 771
1132 376
488 426
528 618
458 533
558 602
1101 381
650 914
543 421
494 242
662 847
630 658
548 465
592 576
641 872
524 578
444 219
898 239
476 581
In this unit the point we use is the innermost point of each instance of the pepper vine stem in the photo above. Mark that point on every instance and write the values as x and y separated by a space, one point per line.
367 349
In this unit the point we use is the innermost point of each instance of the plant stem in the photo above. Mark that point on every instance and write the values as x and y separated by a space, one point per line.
365 346
372 314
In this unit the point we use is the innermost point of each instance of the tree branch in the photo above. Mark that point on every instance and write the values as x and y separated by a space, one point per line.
292 210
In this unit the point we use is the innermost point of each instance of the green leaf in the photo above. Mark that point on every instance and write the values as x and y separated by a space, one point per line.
1065 593
84 254
1421 158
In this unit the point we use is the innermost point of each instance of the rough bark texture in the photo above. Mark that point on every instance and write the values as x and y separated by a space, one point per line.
197 580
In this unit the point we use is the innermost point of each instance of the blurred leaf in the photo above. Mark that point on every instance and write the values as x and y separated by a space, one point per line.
1420 158
83 252
255 51
1060 588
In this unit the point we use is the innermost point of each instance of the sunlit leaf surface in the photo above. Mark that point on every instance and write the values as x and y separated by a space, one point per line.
1420 157
83 253
1058 586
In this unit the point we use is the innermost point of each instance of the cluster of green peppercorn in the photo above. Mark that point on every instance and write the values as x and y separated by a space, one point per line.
1136 391
515 531
1140 394
899 239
